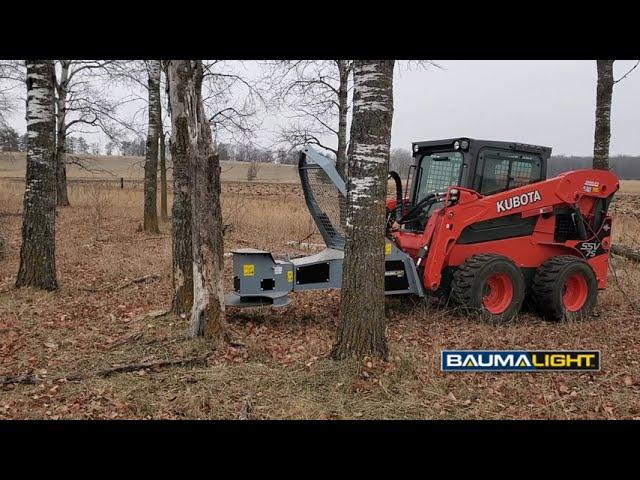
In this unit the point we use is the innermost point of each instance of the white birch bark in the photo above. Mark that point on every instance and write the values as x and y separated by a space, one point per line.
151 158
602 135
361 330
37 253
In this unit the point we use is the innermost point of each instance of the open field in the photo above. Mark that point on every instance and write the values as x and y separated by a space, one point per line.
99 319
102 167
12 165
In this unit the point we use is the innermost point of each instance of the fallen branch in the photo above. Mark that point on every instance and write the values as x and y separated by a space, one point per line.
142 279
129 337
133 367
26 379
153 276
627 252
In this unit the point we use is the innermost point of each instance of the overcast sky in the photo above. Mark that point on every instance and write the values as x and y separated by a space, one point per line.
549 103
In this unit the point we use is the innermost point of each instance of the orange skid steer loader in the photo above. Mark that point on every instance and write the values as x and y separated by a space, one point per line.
479 224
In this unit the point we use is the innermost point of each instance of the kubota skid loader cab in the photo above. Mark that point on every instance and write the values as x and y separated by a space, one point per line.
478 223
487 167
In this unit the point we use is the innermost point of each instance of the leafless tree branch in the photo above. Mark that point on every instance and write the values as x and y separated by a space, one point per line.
626 74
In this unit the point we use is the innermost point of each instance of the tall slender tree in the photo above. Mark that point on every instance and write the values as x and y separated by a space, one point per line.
344 69
182 251
604 92
163 152
81 102
151 158
192 134
362 329
62 88
37 254
317 91
163 177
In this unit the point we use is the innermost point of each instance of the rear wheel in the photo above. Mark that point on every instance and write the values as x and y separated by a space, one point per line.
490 286
564 287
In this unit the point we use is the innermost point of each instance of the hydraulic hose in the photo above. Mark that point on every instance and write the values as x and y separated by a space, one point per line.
399 199
411 214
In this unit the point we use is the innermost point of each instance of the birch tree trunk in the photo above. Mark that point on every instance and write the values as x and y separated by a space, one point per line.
37 254
603 115
151 159
207 313
362 329
62 85
163 177
163 152
344 67
182 253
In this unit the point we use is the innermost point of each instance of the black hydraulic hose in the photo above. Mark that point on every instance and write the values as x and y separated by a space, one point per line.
427 200
579 222
399 199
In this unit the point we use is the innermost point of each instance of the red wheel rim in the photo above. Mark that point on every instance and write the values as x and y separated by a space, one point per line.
498 293
575 292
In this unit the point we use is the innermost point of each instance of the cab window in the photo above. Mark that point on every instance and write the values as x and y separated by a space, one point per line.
437 172
501 170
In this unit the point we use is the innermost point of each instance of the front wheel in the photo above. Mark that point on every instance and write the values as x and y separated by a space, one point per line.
490 286
564 287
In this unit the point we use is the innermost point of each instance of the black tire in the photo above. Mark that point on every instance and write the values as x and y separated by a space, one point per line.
472 279
549 288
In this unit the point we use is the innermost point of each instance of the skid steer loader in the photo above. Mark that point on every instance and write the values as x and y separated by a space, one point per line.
479 224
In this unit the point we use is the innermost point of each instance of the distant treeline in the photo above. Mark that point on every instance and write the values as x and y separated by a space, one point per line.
626 167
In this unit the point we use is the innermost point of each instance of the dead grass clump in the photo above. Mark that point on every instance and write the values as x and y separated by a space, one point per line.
100 202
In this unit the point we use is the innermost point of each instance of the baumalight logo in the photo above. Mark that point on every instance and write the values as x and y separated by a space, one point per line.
519 360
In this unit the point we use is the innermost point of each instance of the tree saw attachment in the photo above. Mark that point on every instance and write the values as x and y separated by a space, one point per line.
259 279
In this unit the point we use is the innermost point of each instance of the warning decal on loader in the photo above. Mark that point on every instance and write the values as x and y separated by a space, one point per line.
248 270
290 276
387 249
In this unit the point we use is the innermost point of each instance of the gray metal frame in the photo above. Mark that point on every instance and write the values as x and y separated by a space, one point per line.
312 159
313 156
260 279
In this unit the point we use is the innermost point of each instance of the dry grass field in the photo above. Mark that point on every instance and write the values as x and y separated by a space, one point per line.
99 319
12 165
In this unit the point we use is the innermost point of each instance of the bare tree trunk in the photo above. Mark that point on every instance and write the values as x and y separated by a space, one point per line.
603 115
62 197
207 313
344 66
163 178
37 254
182 252
163 152
362 329
3 247
151 159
